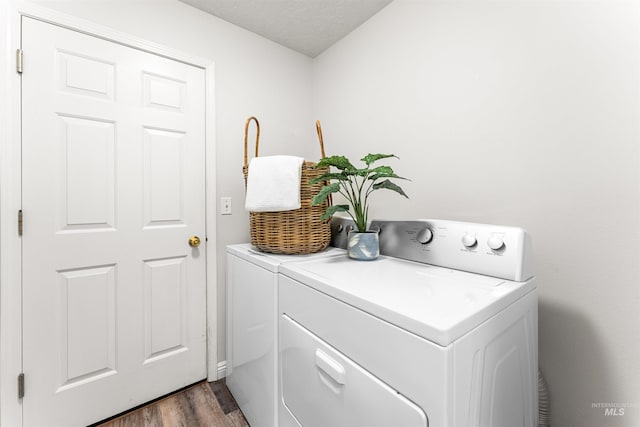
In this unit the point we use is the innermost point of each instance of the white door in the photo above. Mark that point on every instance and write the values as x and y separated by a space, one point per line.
113 187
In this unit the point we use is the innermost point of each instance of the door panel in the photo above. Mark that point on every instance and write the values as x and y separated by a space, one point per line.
165 308
163 177
87 327
113 186
87 193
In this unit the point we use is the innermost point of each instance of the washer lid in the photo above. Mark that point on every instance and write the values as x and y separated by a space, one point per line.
436 303
270 261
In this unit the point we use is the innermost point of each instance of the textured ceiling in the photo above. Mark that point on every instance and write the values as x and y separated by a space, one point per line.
307 26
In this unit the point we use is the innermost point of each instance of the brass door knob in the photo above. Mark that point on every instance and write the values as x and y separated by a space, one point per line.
194 241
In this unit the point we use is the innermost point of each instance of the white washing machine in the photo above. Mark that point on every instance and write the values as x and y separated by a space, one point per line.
252 318
440 331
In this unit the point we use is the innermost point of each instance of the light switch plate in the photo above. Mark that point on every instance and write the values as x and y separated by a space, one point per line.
225 205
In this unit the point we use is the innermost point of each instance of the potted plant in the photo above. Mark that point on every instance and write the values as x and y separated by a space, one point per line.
356 185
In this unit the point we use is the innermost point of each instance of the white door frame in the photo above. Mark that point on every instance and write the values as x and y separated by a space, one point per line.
10 189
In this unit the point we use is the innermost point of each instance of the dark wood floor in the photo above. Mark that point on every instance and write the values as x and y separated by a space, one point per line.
201 405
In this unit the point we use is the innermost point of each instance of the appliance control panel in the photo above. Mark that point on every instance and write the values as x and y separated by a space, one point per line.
340 228
492 250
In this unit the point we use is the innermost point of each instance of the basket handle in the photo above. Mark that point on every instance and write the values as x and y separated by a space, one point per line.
246 136
319 130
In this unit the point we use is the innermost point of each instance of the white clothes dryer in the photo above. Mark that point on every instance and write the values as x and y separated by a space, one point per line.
440 331
252 317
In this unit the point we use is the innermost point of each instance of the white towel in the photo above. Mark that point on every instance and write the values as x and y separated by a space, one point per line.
273 184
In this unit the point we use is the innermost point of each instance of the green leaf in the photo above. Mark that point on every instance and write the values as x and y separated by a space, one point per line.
370 158
383 172
389 186
340 162
377 176
333 209
340 176
382 169
324 193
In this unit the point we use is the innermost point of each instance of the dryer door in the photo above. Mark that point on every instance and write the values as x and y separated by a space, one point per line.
322 387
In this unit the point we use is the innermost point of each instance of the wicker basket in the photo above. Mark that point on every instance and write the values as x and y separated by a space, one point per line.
299 231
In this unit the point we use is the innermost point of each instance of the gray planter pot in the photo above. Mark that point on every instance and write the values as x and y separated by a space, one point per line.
363 246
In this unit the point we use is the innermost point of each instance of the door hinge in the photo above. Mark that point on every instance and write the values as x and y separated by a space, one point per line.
19 61
20 386
20 222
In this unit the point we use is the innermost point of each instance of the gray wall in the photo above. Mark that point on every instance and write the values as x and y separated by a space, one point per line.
522 113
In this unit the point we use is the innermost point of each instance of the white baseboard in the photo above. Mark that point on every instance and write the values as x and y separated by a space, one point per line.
222 369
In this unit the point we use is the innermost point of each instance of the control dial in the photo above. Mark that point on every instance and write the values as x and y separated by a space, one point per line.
424 236
495 242
469 240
